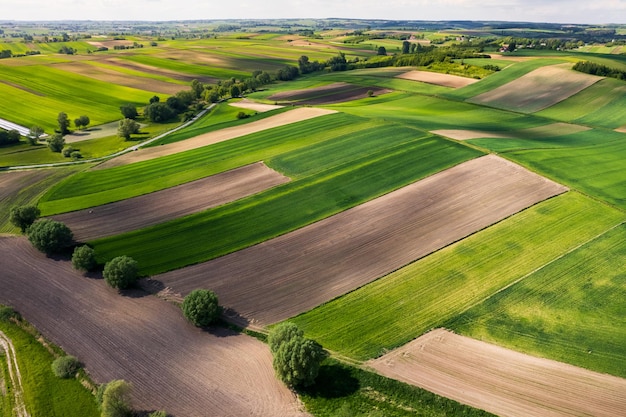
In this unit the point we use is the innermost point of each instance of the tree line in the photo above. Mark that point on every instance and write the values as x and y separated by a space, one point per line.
589 67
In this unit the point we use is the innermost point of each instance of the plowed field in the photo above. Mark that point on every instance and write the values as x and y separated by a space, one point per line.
327 94
293 273
145 210
445 80
142 339
293 116
502 381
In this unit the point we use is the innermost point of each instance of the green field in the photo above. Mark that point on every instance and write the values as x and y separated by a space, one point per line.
381 316
290 206
45 395
572 310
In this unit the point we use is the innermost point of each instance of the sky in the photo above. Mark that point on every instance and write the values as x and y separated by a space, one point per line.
554 11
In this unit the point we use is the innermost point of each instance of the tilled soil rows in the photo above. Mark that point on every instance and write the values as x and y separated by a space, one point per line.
445 80
144 340
502 381
160 206
295 272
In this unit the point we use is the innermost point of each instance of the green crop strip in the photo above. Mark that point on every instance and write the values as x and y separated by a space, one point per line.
426 294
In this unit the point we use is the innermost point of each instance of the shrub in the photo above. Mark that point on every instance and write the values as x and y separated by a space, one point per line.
65 366
201 307
84 258
116 399
50 236
7 313
67 151
56 142
23 216
242 115
120 272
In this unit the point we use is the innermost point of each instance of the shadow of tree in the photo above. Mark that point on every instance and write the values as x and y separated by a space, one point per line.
333 381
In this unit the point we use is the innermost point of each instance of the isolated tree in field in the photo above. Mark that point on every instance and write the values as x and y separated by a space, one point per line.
201 307
120 272
406 47
65 366
35 132
127 127
297 359
116 399
23 216
50 236
129 111
64 123
381 50
84 258
56 142
82 122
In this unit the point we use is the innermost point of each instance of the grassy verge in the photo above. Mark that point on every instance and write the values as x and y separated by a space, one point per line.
45 394
403 305
345 391
571 311
277 211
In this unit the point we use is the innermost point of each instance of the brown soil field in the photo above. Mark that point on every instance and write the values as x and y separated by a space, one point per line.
502 381
538 89
293 116
146 210
142 339
110 43
158 71
251 105
553 129
293 273
115 77
510 57
327 94
445 80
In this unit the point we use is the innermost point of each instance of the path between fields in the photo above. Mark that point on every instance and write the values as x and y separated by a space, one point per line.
502 381
15 375
282 119
144 340
160 206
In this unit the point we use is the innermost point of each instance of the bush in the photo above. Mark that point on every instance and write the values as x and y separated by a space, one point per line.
242 115
50 236
84 258
65 366
56 142
201 307
76 155
116 399
120 272
7 313
67 151
23 216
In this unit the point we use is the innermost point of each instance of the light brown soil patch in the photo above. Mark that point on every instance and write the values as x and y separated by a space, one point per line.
143 340
551 130
146 210
251 105
295 272
293 116
510 57
445 80
110 43
621 129
159 71
327 94
537 90
502 381
115 77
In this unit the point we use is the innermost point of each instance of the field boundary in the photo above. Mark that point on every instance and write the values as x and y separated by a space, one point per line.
15 375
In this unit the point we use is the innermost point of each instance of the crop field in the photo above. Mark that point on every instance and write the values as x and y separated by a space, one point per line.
285 208
537 90
356 246
328 94
449 281
445 80
571 311
160 206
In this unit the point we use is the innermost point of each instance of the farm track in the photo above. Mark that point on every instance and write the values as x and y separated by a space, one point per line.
160 206
144 340
502 381
14 375
293 273
293 116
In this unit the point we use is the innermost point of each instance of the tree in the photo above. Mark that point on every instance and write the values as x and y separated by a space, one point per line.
56 142
154 99
84 258
234 91
159 112
10 137
129 111
65 366
23 216
381 50
127 127
120 272
35 132
50 236
297 359
201 307
406 47
197 88
64 123
338 63
116 399
81 122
